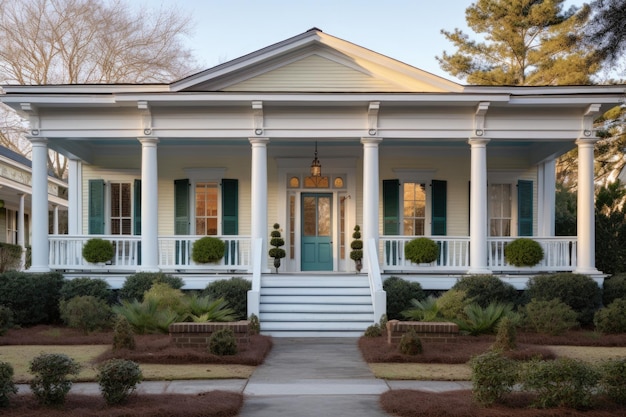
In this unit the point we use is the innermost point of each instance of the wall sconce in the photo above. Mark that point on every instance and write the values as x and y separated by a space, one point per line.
316 167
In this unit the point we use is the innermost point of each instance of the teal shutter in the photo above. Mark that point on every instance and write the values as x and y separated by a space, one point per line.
524 208
391 207
181 207
96 207
137 208
440 207
230 207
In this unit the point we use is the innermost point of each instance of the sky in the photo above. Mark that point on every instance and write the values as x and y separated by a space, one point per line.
406 30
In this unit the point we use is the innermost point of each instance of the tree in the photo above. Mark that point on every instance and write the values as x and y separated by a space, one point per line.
611 228
606 30
524 42
88 41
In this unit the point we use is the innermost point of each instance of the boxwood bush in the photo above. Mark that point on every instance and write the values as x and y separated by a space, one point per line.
50 384
10 257
234 291
207 250
98 250
523 252
7 386
6 319
95 287
580 292
486 289
612 318
86 313
118 379
33 298
614 287
137 284
399 296
421 250
551 317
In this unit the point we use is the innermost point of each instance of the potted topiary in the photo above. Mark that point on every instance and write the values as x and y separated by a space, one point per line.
207 250
277 241
357 248
421 250
523 252
98 251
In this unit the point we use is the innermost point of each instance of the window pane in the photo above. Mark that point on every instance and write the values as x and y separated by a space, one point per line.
115 200
310 218
206 208
211 226
126 200
324 216
115 226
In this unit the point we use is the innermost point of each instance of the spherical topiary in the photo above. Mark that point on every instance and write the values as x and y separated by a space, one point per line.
356 245
410 343
208 250
98 250
421 250
223 342
276 241
523 252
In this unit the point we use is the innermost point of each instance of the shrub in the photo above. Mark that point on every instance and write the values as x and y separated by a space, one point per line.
563 382
255 325
383 322
123 337
137 284
98 250
479 320
50 384
373 331
10 257
612 319
399 296
580 292
506 336
356 246
33 298
613 379
523 252
614 287
493 375
552 317
222 342
424 310
95 287
118 378
7 387
146 316
486 289
410 344
166 297
421 250
207 250
6 319
452 303
86 313
203 309
276 241
234 291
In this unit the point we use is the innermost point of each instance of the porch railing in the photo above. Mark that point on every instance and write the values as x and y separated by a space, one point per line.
454 254
65 252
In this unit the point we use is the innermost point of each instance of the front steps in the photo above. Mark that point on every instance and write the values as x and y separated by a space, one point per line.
337 305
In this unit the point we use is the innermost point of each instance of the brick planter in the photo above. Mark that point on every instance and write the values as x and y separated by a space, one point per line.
197 335
428 331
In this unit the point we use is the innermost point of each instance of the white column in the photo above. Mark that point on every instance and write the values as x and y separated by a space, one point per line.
21 233
149 205
74 183
547 204
258 181
478 206
585 211
370 227
55 219
39 210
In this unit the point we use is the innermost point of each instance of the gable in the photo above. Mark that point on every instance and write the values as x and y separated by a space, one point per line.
315 62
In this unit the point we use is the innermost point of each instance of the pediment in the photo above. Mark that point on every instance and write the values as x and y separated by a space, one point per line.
316 62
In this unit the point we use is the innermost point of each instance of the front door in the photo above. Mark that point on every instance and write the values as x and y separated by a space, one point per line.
317 251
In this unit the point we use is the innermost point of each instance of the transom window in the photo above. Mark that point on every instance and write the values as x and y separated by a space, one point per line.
206 208
500 209
121 212
414 220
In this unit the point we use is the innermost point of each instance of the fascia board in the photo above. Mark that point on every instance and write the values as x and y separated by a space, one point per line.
93 89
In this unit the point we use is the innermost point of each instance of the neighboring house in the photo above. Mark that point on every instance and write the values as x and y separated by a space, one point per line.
228 152
15 199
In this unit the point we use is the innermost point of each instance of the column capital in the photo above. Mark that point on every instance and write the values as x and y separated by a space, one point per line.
589 141
371 140
148 140
37 141
478 141
259 141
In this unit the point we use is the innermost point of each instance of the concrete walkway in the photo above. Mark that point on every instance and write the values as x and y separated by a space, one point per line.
300 378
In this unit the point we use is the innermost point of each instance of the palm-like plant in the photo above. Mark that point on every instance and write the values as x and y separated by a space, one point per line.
203 309
424 310
147 316
479 320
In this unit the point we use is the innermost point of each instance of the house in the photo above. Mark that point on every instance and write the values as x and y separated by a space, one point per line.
318 135
15 199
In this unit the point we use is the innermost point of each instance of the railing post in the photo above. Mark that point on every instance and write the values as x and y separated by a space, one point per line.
254 295
379 297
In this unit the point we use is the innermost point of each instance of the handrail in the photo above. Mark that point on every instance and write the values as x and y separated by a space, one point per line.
254 295
379 297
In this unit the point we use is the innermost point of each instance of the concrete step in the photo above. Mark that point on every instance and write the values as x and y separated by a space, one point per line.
291 291
312 308
366 317
313 299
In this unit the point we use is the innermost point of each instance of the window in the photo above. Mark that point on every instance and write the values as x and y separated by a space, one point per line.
500 209
121 214
414 209
206 209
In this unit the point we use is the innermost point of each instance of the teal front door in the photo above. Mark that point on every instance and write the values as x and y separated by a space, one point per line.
317 245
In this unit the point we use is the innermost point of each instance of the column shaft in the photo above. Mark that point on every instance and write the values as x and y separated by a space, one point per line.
39 210
478 207
149 205
585 211
258 204
370 191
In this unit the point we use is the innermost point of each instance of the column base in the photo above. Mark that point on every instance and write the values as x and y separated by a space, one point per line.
38 269
148 269
479 271
587 271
